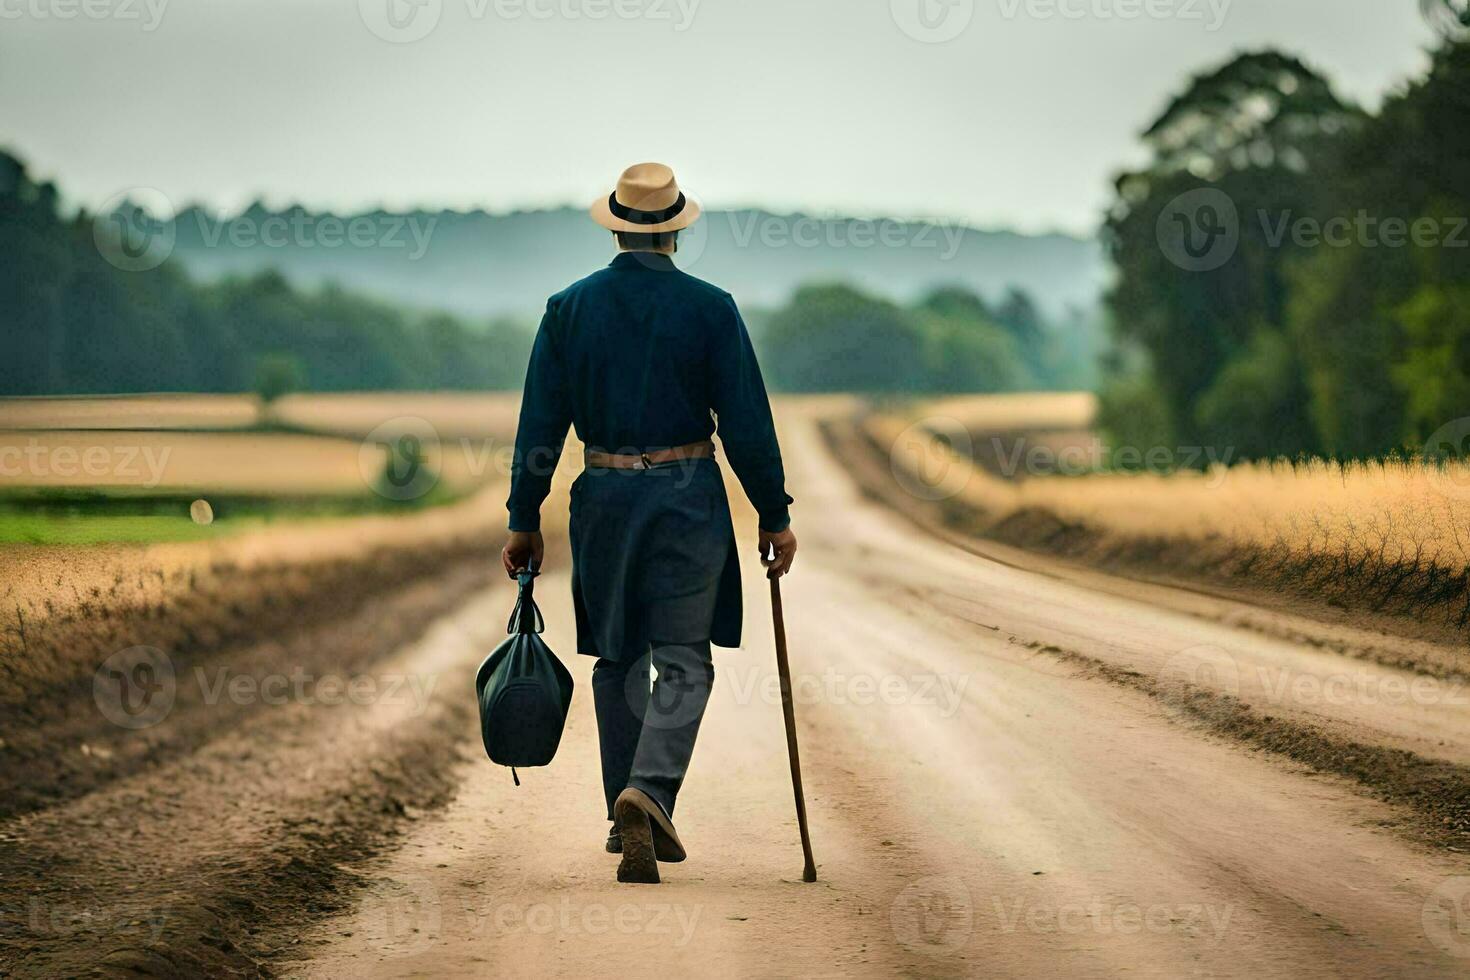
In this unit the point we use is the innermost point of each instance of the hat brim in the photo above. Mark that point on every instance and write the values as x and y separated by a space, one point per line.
601 213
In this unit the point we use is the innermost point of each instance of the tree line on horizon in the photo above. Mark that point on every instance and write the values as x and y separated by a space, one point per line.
77 324
1335 319
833 337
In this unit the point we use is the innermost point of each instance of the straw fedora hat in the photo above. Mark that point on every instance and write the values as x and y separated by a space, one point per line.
647 199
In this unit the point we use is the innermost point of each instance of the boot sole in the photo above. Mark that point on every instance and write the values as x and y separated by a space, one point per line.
639 865
666 844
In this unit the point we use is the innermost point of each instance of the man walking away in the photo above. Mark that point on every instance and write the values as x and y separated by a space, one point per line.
644 359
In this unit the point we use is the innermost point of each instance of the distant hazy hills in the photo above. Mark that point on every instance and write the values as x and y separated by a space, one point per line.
481 265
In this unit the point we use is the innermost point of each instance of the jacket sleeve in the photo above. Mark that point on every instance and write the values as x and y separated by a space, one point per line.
546 414
744 421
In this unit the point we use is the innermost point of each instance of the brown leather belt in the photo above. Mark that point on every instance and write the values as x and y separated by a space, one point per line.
657 457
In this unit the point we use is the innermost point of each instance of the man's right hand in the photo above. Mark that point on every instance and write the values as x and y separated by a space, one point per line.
778 551
522 550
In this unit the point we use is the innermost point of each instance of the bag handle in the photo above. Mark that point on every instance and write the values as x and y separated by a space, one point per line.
526 616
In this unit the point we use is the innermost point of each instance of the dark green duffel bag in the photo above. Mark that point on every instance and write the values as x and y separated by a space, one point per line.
524 691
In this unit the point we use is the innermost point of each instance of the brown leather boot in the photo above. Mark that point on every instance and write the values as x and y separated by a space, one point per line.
647 836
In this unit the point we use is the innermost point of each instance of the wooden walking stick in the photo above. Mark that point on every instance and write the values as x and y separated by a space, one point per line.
783 667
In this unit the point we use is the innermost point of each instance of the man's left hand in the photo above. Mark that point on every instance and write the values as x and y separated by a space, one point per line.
778 551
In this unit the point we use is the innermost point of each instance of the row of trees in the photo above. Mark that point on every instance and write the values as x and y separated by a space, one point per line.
837 338
75 324
1294 272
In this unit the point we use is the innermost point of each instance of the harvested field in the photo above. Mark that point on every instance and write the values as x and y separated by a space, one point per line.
489 415
350 413
253 463
320 456
130 412
1041 411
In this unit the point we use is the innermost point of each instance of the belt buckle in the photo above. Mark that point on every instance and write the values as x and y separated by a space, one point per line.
644 463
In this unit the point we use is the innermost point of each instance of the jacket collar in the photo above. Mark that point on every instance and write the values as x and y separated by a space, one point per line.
643 260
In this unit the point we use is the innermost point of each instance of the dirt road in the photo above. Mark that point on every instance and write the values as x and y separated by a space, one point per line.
1001 780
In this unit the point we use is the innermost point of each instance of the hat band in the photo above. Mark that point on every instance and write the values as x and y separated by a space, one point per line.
644 217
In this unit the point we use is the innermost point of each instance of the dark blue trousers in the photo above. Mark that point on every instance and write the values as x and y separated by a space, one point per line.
649 707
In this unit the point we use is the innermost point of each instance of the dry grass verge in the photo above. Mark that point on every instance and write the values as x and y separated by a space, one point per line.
1362 544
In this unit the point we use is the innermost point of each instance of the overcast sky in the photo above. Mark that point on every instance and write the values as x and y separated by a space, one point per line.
998 112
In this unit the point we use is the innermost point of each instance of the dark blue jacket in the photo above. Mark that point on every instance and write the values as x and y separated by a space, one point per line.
641 356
